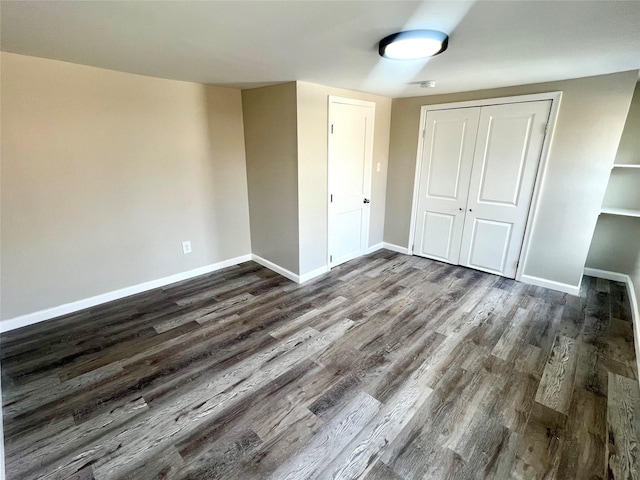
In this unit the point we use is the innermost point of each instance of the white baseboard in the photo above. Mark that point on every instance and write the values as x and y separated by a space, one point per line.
635 317
2 469
49 313
543 282
605 274
305 277
276 268
395 248
375 248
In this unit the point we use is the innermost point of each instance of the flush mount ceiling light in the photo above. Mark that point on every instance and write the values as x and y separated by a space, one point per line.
413 44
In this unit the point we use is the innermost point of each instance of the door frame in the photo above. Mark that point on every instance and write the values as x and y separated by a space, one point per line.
541 173
331 99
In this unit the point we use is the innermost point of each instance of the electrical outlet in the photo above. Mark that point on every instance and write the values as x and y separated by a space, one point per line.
186 247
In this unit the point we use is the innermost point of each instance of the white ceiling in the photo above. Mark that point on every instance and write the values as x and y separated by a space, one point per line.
250 43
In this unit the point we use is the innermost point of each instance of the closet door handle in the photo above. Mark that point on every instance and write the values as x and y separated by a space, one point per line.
470 210
460 208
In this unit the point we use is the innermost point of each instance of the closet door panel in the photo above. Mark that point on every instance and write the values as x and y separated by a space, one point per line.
490 240
449 144
503 160
507 154
437 235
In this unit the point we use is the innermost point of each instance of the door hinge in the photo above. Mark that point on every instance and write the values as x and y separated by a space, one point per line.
331 198
330 258
546 128
332 128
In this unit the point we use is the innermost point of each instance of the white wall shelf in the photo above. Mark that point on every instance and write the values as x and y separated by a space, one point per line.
626 165
622 191
625 212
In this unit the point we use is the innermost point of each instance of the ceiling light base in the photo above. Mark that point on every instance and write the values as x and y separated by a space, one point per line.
413 44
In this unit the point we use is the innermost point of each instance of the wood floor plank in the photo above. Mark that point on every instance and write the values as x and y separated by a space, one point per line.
623 420
273 413
542 441
504 462
572 319
531 361
476 397
59 452
619 341
512 340
242 415
583 453
330 440
380 471
519 394
490 436
276 448
175 421
357 458
97 392
620 305
597 315
416 452
120 352
303 320
165 465
556 385
218 458
387 367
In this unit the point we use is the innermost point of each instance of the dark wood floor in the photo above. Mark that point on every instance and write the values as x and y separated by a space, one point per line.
389 367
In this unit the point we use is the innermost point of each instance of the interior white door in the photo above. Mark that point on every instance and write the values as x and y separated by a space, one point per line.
507 154
350 157
449 141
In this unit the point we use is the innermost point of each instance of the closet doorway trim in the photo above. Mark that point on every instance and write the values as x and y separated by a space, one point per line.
555 98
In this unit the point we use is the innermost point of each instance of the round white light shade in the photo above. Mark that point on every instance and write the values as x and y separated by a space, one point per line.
413 44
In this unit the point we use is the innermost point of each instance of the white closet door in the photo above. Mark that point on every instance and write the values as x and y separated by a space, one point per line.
444 182
507 154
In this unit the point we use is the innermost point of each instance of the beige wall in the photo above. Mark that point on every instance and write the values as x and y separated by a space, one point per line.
272 172
590 122
286 144
105 173
629 149
312 169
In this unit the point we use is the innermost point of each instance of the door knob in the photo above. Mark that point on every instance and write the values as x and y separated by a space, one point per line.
366 200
